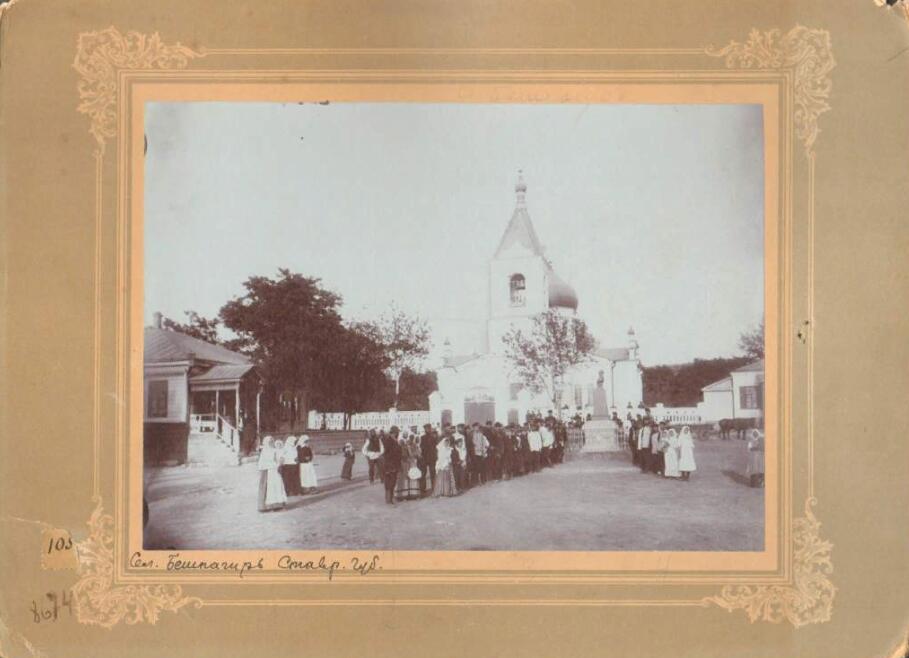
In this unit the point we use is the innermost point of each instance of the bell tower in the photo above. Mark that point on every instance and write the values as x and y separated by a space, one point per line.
518 275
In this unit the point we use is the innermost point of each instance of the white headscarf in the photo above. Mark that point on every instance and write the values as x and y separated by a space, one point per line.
685 437
290 450
266 454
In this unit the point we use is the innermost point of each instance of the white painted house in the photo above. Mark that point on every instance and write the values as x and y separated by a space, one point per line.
740 395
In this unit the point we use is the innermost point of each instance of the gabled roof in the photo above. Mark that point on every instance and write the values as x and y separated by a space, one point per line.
724 384
613 353
756 366
229 372
520 231
163 345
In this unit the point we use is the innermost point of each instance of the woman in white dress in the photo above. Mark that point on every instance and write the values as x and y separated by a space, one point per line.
671 455
686 453
308 479
271 487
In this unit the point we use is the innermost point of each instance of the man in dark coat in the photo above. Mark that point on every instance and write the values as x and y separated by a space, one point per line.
428 455
468 466
507 465
392 459
497 449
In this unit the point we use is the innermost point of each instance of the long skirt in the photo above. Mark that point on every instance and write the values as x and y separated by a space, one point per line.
407 487
271 490
686 459
445 483
290 473
308 479
347 468
755 462
671 463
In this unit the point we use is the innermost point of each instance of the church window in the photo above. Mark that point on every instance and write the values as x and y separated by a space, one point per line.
517 286
578 395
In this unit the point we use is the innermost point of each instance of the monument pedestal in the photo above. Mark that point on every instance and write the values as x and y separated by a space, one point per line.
600 435
600 432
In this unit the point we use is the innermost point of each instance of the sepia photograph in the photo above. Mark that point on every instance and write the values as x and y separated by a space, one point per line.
453 327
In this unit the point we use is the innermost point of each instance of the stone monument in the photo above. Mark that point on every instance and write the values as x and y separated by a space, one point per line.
600 431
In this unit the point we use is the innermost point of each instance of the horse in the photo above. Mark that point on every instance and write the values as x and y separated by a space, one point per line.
740 425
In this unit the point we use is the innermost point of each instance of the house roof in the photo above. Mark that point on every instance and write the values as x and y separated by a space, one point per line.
756 366
163 345
613 353
223 372
724 384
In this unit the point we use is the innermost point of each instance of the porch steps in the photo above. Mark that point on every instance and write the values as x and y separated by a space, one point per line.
206 449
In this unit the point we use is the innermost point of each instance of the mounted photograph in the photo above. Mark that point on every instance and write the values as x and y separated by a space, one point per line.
454 327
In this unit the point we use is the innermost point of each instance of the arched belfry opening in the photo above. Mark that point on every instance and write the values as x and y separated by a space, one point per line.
517 287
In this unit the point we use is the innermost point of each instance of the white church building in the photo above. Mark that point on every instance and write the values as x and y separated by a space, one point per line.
482 386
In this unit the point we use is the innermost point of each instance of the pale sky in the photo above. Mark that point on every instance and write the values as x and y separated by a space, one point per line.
654 213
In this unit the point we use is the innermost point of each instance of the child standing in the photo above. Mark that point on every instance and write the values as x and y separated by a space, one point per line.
349 457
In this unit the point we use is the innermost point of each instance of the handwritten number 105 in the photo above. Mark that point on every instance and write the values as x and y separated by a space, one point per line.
59 544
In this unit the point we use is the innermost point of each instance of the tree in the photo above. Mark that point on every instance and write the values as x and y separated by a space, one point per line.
197 327
415 389
751 342
406 341
542 356
680 385
287 325
353 372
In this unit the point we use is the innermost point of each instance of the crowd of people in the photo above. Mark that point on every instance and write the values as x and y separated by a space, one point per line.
285 469
415 463
659 449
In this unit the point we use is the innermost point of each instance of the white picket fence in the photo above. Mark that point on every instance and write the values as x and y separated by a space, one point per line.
368 420
676 415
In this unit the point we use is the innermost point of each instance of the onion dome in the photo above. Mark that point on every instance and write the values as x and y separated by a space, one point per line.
561 294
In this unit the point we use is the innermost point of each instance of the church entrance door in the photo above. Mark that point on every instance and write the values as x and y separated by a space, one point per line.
479 411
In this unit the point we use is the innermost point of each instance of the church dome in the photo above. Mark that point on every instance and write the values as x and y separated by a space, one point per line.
561 294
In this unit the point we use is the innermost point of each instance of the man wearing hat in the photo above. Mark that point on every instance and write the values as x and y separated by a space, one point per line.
428 454
392 461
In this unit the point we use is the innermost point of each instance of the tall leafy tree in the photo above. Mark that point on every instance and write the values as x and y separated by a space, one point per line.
751 342
196 326
406 341
542 356
353 371
286 324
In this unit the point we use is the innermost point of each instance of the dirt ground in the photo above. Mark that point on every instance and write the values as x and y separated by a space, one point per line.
590 502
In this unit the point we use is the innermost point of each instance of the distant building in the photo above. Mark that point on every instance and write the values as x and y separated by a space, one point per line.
196 389
740 395
522 283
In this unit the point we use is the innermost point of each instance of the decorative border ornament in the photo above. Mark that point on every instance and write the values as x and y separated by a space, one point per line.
810 601
805 51
97 601
99 55
102 55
